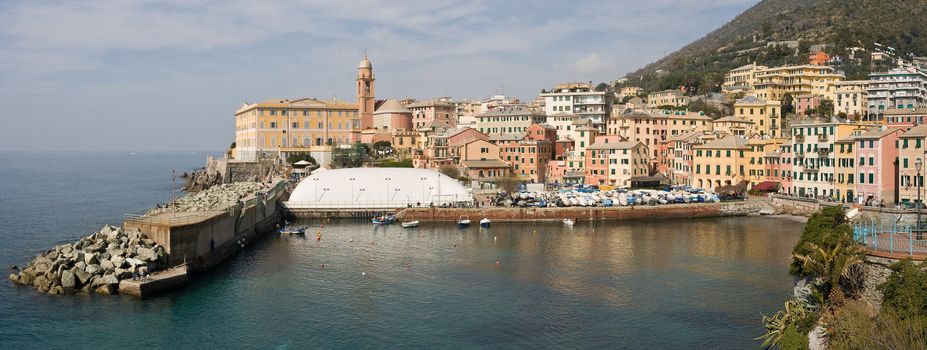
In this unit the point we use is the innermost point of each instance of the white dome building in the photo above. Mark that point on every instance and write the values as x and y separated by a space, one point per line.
376 188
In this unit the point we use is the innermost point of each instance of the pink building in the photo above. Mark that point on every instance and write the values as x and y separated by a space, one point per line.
806 102
427 111
391 115
877 152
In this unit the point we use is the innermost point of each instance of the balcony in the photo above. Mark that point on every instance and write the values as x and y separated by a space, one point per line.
822 138
800 138
823 151
812 169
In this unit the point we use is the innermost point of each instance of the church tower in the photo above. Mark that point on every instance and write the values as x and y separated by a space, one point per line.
365 92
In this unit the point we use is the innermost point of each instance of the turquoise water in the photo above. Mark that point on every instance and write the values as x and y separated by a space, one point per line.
642 284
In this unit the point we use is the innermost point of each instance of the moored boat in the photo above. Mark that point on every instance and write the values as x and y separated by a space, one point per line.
463 221
289 230
383 219
485 222
568 222
410 224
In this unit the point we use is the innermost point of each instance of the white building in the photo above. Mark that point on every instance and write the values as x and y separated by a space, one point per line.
897 88
580 99
376 188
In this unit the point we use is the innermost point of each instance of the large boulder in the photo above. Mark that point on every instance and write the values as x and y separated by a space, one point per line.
147 254
90 258
135 262
118 261
107 265
82 276
42 268
105 289
68 280
94 269
123 274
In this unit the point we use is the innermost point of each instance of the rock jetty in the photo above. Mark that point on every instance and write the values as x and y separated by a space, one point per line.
215 197
93 264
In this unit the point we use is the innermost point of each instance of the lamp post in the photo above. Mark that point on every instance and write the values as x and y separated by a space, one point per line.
917 178
387 190
352 186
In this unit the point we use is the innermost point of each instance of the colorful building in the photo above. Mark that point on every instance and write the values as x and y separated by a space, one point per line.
509 119
721 162
765 115
428 111
912 145
877 154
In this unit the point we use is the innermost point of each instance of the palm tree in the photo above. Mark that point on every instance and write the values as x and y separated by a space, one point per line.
831 265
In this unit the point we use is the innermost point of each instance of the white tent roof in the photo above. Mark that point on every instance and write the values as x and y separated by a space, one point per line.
302 162
376 188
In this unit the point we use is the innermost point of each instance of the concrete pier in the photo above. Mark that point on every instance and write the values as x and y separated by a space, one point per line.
158 282
199 240
514 214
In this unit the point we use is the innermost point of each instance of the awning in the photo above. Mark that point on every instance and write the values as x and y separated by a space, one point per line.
767 186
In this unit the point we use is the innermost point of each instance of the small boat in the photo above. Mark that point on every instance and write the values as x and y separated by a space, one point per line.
463 222
410 224
383 220
288 230
484 223
568 222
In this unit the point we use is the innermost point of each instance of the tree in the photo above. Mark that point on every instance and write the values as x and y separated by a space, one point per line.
293 158
450 170
831 266
509 183
905 289
788 104
825 228
826 108
601 87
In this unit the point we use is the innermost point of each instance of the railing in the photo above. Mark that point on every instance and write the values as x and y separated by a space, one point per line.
822 138
823 151
893 239
800 137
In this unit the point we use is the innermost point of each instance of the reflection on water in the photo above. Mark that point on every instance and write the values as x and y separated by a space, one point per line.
635 284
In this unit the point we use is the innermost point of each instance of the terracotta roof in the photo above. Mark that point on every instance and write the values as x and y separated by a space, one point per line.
917 131
733 119
614 145
877 133
727 142
392 106
484 164
506 137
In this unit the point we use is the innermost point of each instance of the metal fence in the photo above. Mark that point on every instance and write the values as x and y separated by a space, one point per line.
893 239
371 205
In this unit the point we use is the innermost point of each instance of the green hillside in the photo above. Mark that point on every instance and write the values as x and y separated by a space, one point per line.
700 66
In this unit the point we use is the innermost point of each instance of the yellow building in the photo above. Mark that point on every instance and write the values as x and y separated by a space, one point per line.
756 158
774 83
667 98
721 162
274 128
851 98
845 158
765 115
741 79
278 127
911 146
734 126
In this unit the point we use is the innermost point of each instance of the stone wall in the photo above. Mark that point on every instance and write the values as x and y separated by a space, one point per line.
590 213
191 242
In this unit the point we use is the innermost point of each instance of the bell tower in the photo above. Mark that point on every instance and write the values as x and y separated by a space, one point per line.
365 92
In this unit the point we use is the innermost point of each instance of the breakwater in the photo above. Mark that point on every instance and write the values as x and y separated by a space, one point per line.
190 234
514 214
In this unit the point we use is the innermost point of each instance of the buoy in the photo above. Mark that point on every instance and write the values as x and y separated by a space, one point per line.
364 274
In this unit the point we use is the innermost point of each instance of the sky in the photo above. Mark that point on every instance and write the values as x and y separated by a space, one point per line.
167 75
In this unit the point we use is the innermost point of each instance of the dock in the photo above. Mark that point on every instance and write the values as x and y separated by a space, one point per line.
156 283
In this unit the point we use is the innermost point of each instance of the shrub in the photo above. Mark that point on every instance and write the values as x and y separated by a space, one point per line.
905 290
792 339
826 229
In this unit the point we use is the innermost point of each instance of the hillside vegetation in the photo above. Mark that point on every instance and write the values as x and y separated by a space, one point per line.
701 65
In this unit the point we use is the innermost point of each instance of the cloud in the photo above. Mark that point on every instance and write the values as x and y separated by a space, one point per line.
194 61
